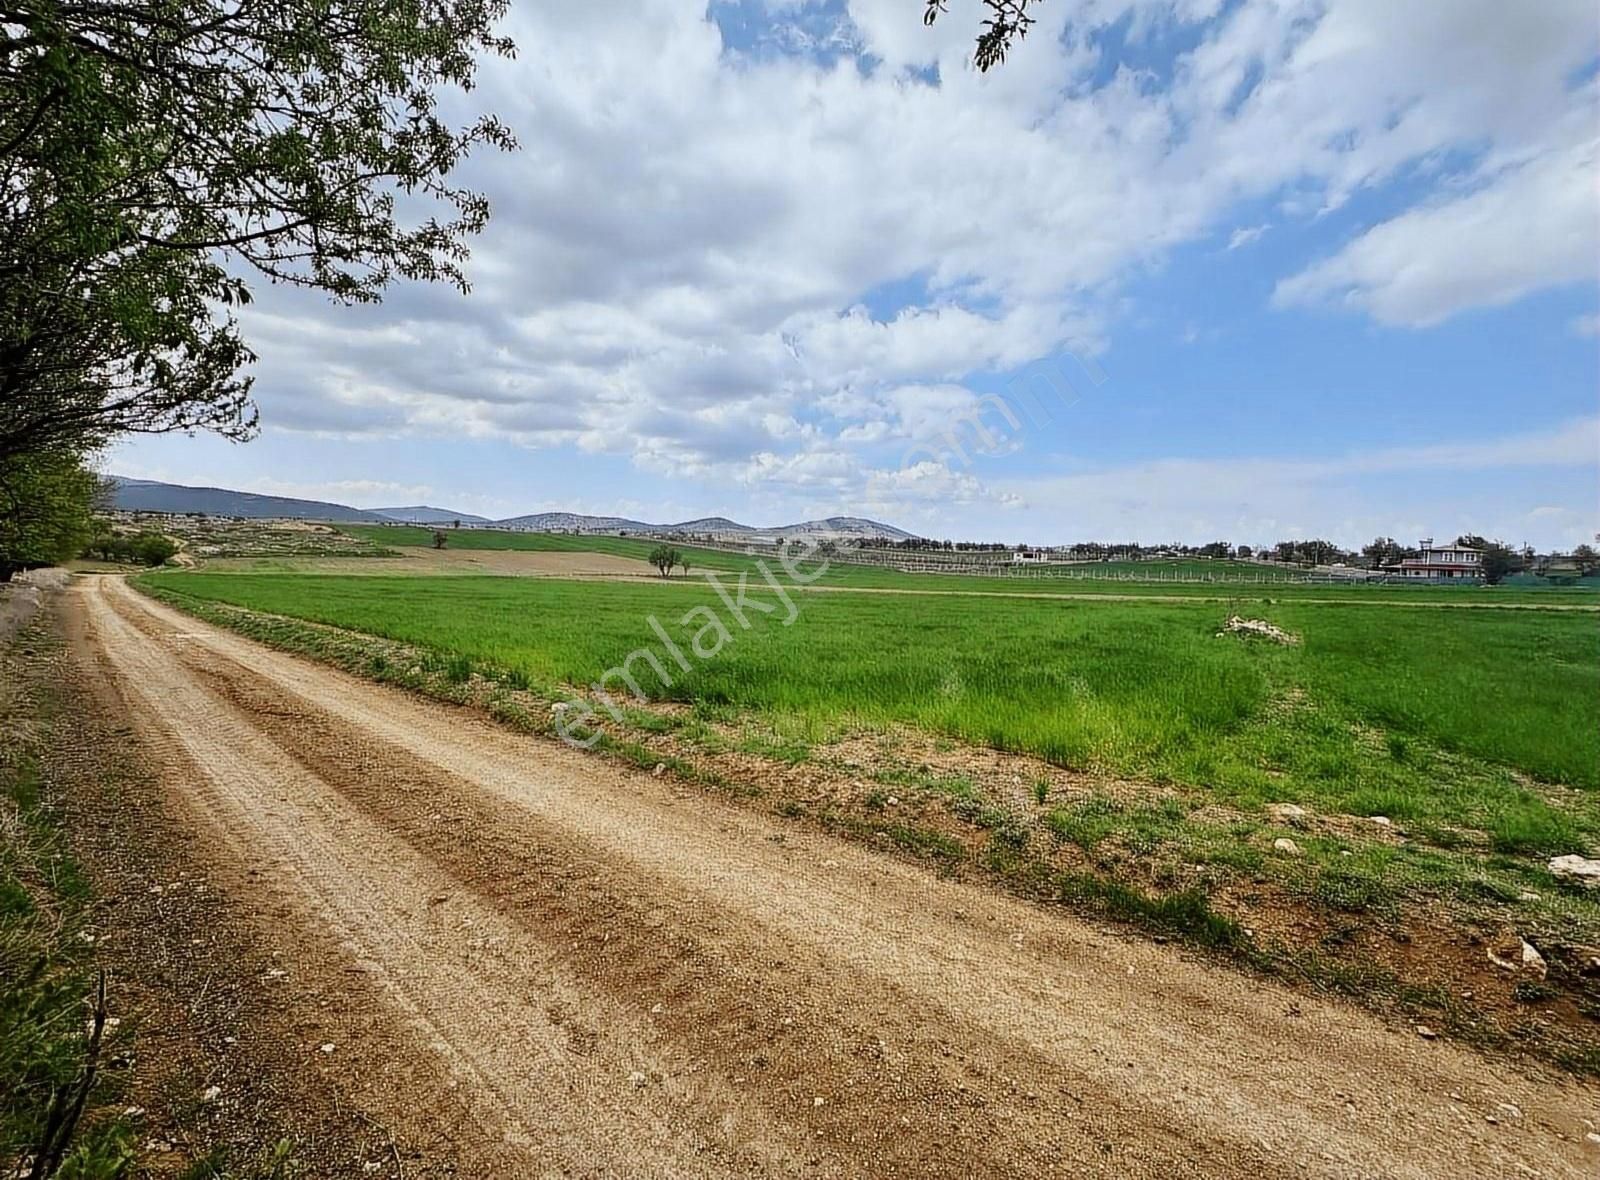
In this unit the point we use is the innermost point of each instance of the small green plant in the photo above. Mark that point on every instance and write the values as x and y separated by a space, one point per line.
275 1163
1041 791
927 842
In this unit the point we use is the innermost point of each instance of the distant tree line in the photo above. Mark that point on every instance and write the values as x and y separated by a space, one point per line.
1498 562
146 547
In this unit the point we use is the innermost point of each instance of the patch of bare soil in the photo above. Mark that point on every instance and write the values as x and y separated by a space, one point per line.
601 972
21 598
520 563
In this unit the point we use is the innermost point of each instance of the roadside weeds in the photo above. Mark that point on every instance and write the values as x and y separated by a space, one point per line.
97 883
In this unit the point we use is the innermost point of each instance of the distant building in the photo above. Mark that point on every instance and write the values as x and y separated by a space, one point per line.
1030 556
1351 573
1444 561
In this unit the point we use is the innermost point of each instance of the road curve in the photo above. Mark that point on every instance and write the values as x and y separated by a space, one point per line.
622 977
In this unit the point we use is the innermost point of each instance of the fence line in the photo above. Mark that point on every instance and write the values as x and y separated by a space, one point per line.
956 564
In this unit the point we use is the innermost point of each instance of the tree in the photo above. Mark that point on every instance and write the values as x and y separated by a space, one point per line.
151 548
1497 562
1008 22
95 347
1586 560
439 539
46 506
146 148
1384 551
664 557
1472 540
683 562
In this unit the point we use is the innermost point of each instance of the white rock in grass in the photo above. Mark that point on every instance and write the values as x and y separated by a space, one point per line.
1577 868
1382 821
1285 845
1286 813
1515 953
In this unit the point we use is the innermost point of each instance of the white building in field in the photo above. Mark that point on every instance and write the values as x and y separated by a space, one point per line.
1030 556
1444 561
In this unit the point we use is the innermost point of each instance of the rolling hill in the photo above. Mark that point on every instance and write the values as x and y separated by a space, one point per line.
426 514
147 495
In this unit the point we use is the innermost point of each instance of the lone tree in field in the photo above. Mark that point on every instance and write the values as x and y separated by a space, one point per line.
439 539
664 557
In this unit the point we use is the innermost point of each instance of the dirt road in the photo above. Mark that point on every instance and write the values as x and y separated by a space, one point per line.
587 971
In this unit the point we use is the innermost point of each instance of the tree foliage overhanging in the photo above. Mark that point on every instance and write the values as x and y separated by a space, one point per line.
153 153
156 155
47 501
1008 21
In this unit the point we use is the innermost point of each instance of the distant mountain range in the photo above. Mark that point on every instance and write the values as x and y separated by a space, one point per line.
146 495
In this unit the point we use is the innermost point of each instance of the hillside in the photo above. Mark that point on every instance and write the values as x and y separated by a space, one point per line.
426 514
541 522
145 495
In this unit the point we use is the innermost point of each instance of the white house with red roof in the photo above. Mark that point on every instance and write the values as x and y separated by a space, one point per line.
1444 561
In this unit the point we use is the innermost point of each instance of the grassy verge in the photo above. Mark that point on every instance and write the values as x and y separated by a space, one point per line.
68 1049
1400 914
54 1065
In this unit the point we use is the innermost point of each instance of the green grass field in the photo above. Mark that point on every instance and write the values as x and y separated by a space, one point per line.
1427 716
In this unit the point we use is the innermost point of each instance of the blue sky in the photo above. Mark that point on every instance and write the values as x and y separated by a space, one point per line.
1335 263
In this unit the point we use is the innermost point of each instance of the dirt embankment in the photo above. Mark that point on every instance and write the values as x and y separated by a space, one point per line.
21 598
527 962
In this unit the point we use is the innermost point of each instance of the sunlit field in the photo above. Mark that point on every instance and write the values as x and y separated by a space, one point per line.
1427 715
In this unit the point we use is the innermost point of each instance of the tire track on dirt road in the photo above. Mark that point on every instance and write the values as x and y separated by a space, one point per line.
546 925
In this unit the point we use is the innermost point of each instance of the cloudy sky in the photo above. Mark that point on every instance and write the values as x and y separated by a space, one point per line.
1197 268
